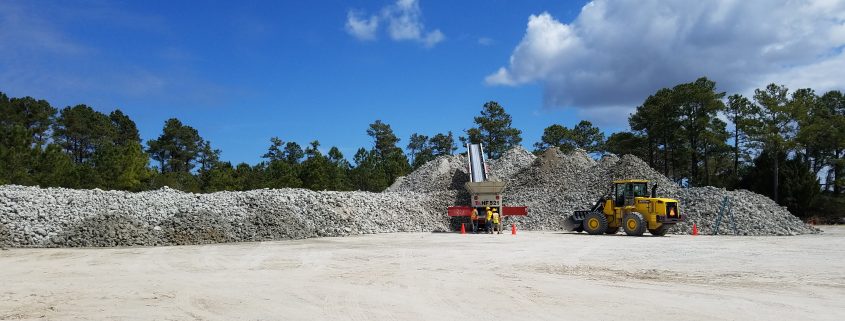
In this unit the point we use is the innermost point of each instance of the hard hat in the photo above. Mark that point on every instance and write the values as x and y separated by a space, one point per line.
488 208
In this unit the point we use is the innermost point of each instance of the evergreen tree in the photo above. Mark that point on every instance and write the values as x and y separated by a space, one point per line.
553 136
716 153
422 149
799 185
739 111
367 174
177 148
339 174
698 103
281 174
275 152
416 144
442 144
220 177
80 130
494 130
54 168
391 161
833 103
773 127
16 155
293 153
246 177
658 121
316 169
623 143
584 136
126 132
122 162
35 116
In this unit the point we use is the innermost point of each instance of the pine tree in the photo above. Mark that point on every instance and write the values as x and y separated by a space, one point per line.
494 130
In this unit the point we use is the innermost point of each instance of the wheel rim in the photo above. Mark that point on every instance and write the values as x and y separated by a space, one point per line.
593 223
632 224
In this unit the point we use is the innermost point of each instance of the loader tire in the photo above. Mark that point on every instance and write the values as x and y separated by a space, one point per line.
633 224
660 231
611 230
595 223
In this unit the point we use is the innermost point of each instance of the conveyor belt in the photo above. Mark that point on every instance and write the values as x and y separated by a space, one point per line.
476 163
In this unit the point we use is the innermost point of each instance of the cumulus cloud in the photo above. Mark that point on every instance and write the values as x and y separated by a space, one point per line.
404 23
360 27
616 53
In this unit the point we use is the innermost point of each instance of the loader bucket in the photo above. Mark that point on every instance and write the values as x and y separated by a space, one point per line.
570 224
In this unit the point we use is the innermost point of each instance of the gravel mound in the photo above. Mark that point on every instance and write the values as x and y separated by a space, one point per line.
560 183
753 214
444 173
511 162
552 185
35 217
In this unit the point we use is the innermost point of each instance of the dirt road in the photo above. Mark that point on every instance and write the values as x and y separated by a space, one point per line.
532 275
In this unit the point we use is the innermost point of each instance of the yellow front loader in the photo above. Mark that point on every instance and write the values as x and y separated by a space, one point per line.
630 207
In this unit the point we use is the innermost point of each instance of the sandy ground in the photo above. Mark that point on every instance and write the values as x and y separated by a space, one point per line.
533 275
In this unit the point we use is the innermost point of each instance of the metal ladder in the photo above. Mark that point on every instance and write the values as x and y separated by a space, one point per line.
726 207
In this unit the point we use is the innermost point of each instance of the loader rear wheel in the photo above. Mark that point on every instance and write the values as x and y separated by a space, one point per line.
595 223
611 230
660 231
633 224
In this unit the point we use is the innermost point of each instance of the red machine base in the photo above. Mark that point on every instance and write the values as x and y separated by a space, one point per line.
506 210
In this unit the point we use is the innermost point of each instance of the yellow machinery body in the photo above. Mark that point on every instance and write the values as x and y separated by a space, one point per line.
630 207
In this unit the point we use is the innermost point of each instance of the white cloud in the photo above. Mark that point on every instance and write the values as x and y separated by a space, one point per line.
404 23
433 38
616 53
361 28
484 41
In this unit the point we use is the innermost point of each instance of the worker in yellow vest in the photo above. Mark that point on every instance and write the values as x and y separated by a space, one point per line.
473 220
489 221
497 220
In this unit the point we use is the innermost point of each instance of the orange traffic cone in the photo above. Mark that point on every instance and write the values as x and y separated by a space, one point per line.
694 229
463 229
513 229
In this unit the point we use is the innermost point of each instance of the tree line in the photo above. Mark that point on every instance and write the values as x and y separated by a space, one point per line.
79 147
779 143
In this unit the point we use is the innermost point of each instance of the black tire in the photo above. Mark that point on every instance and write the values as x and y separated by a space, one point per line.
611 230
578 229
633 224
660 231
595 223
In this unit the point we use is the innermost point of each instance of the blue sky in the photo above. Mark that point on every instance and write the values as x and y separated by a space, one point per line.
242 73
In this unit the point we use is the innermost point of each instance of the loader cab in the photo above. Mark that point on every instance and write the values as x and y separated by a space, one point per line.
625 191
